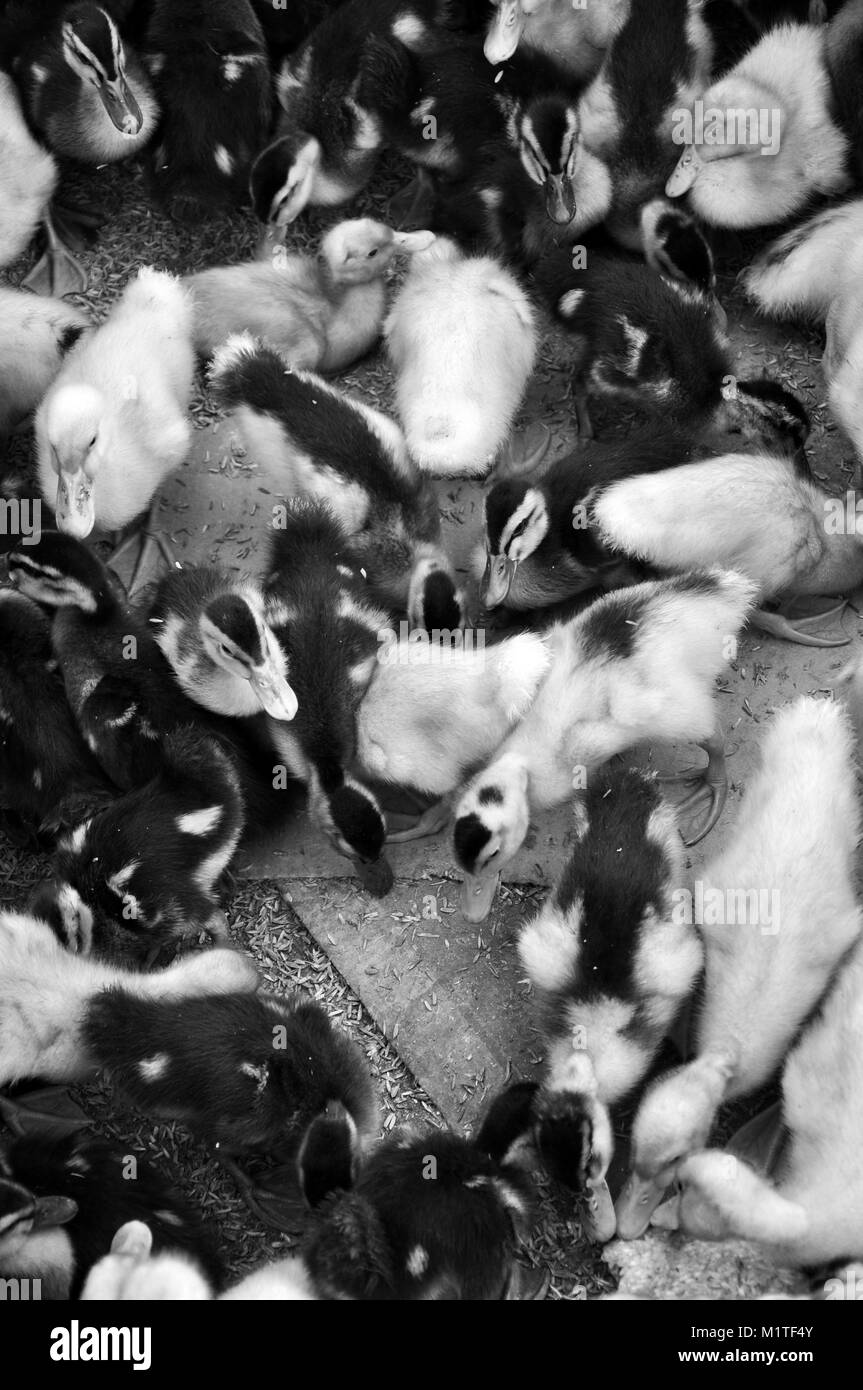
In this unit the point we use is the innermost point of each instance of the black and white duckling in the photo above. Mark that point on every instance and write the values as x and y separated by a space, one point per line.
28 180
331 636
648 341
778 915
327 141
811 1215
675 246
433 1216
352 458
576 36
33 1244
37 334
457 406
47 994
638 665
114 423
321 313
713 512
211 627
149 866
611 966
104 1188
770 141
49 779
85 93
539 547
657 63
247 1072
118 684
433 713
815 272
212 75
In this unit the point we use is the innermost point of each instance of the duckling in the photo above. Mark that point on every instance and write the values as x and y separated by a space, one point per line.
355 460
815 272
248 1073
37 334
611 966
538 547
458 406
321 314
150 864
33 1244
118 684
49 779
430 1216
122 690
211 627
330 635
638 664
577 37
92 1178
776 102
795 838
657 63
84 91
713 512
327 141
47 994
114 424
645 340
28 181
212 75
431 714
813 1214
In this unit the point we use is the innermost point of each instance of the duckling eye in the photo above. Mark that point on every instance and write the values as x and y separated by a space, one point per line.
373 252
92 443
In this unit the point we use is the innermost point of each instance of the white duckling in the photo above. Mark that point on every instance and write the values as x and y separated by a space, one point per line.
750 512
784 147
46 990
114 425
816 272
576 36
611 966
813 1214
462 338
211 627
789 871
432 713
322 313
36 335
638 665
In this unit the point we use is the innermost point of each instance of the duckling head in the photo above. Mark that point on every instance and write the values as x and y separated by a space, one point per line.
328 1156
516 524
66 913
675 246
548 132
75 431
238 640
283 178
354 824
131 1272
60 572
22 1214
361 250
491 822
765 417
673 1121
504 31
720 1197
93 49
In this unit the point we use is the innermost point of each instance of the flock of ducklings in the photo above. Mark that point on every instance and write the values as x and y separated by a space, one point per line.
140 734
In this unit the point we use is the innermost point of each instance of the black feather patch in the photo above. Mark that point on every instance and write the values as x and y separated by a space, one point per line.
441 608
69 336
469 838
610 627
231 615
